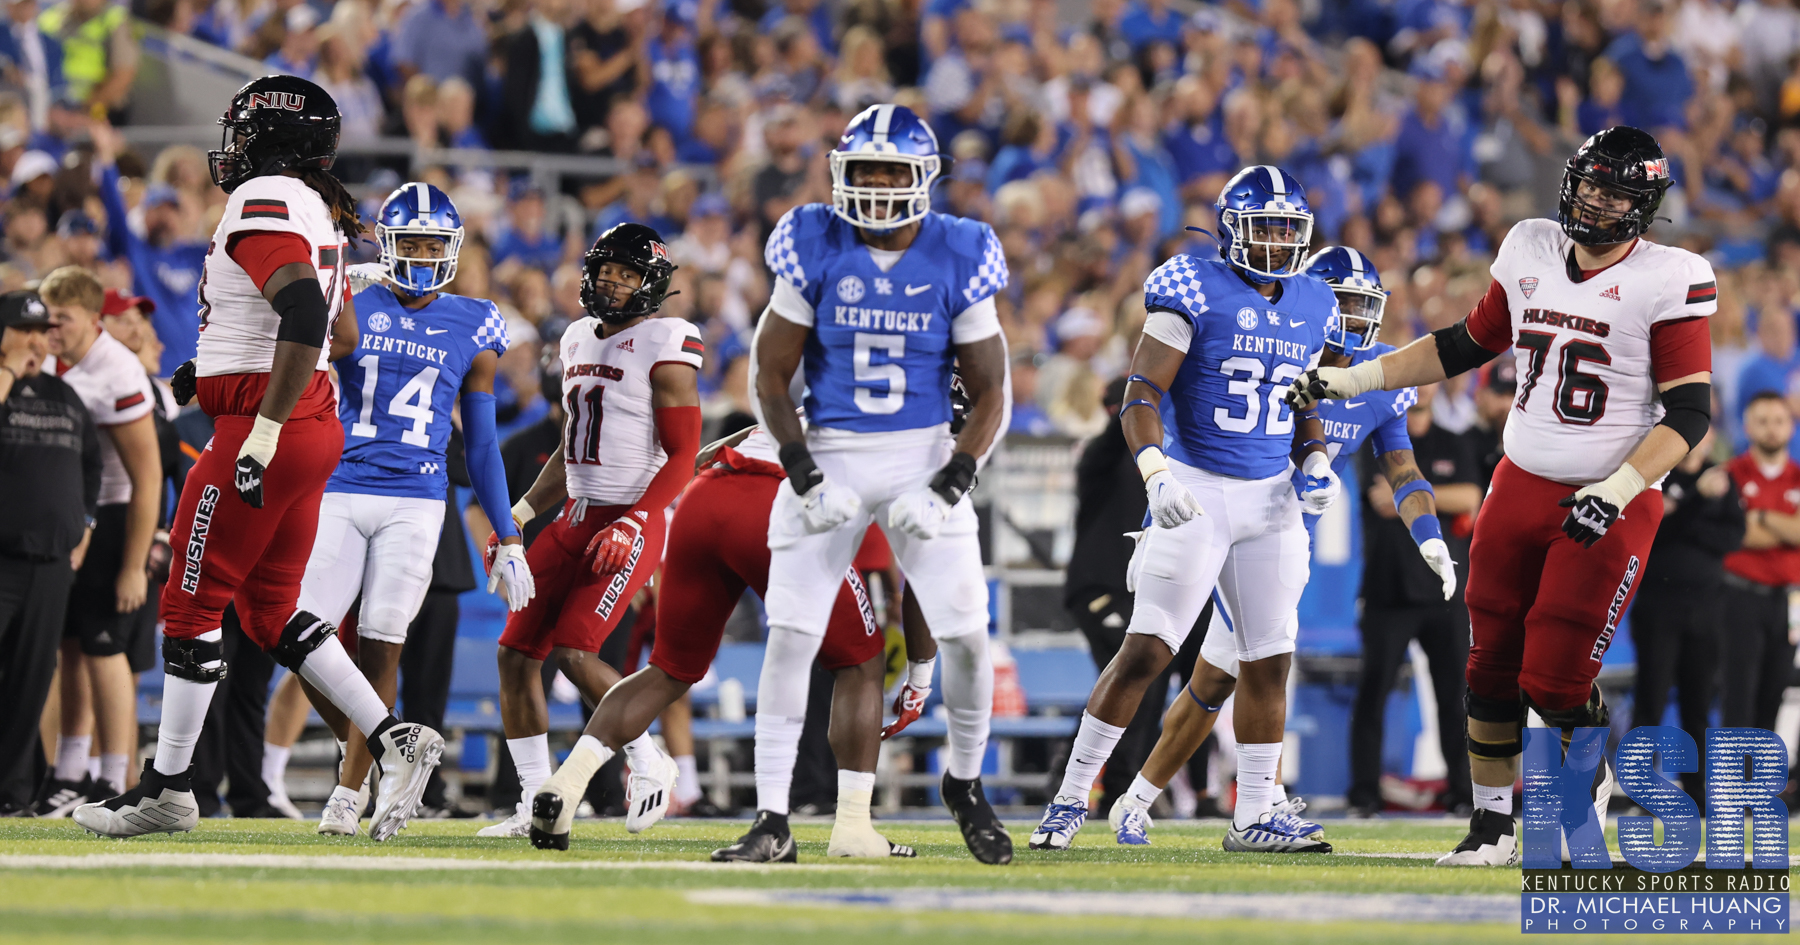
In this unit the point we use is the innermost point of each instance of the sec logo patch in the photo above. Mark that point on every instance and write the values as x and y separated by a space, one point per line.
850 289
1246 318
379 322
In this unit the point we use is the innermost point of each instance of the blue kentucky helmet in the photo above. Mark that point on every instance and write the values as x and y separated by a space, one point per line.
1361 299
414 210
1265 225
884 134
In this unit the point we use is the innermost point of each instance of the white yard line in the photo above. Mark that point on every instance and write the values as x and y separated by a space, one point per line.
110 861
1313 907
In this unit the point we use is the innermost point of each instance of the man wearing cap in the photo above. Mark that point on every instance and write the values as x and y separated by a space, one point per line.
1494 390
50 470
31 176
80 238
165 264
527 239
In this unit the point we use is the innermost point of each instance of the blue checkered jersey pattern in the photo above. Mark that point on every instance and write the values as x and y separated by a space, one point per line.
882 343
1378 418
1224 411
398 386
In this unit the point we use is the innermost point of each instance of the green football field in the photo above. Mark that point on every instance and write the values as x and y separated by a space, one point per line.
237 881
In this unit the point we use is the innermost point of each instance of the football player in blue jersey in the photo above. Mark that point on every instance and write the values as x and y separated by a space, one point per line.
875 298
1223 339
420 350
1379 419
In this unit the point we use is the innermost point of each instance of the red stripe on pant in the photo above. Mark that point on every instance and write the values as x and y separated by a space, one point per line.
1543 609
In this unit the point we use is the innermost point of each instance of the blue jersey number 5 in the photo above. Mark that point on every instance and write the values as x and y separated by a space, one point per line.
891 400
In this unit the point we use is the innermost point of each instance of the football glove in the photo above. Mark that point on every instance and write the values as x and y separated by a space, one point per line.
1171 504
613 545
506 565
1329 383
1321 486
919 513
908 706
363 275
1593 509
826 506
182 382
253 460
1437 558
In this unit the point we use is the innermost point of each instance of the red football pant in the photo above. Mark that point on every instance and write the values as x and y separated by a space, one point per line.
1543 609
226 551
718 546
574 607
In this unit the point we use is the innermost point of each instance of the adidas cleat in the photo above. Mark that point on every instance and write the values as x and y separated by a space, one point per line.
409 752
341 814
1272 833
1290 810
862 840
648 793
554 808
768 841
982 831
1062 821
159 804
1130 823
1492 841
518 825
59 797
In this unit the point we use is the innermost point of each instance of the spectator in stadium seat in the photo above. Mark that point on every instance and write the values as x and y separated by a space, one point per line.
165 267
340 74
36 58
782 184
814 13
1602 108
534 88
1433 142
862 76
1657 83
1776 364
299 43
674 75
1148 21
606 55
440 39
456 116
528 240
99 55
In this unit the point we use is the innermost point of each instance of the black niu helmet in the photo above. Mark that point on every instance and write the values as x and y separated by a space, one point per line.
274 124
1626 161
638 247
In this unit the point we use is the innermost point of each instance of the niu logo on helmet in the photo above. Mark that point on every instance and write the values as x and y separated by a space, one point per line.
659 250
287 101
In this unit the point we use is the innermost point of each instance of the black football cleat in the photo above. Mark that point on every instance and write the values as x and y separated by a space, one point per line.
769 841
981 829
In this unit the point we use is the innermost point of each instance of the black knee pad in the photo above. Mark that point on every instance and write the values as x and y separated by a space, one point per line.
1591 714
303 634
1497 712
186 659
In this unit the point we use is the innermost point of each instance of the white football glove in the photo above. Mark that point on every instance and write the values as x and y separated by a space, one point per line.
509 568
1329 383
1322 485
919 513
1171 504
826 506
363 275
1437 557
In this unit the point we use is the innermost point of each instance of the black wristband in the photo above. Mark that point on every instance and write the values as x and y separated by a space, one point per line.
954 480
303 312
802 472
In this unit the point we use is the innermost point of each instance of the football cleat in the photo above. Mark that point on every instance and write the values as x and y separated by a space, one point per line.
1062 821
340 816
281 802
60 797
518 825
1290 809
554 808
1131 823
1272 833
1492 841
159 804
409 752
862 840
768 841
982 831
648 793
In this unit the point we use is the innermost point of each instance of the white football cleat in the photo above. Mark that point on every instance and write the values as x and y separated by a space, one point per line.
1272 833
409 752
1492 841
648 793
159 804
281 802
341 815
1062 821
518 825
862 840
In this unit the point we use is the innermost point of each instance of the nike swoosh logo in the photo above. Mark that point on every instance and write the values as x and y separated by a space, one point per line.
916 289
436 331
1294 324
1353 403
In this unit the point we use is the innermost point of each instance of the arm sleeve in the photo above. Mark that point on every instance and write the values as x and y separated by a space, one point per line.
1490 322
1170 328
486 470
261 253
119 238
678 430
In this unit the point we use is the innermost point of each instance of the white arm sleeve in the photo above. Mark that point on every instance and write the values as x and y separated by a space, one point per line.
974 323
1170 329
787 302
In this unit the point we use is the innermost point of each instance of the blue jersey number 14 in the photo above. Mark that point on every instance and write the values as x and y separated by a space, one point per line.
412 402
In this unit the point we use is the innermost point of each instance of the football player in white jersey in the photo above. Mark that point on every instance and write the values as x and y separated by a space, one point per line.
244 528
1610 336
631 395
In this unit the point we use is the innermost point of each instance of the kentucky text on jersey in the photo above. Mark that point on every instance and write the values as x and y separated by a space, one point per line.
1279 347
1343 432
411 349
880 319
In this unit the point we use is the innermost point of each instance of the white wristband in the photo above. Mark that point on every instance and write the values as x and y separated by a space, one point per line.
264 436
1316 465
1367 376
1626 483
522 512
1150 461
918 673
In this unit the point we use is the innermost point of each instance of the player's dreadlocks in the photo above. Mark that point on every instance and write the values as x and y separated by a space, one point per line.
337 200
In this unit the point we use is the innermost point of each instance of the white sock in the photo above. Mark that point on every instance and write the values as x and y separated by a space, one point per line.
72 756
113 770
1093 747
969 697
531 758
1278 791
641 751
781 713
274 768
1142 792
1258 764
1496 799
330 671
855 789
93 766
354 796
184 708
687 785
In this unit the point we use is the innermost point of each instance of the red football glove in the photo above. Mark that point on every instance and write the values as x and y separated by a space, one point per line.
488 553
907 705
612 546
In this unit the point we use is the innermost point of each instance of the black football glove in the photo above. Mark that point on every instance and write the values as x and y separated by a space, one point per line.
1589 518
249 481
182 383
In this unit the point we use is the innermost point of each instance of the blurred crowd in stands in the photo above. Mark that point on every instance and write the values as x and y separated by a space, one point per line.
1090 135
